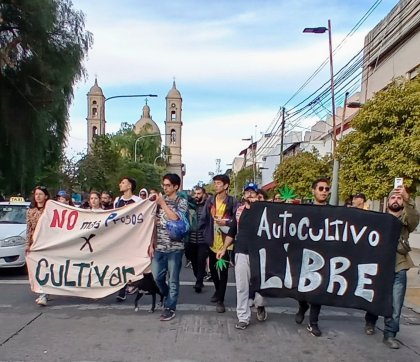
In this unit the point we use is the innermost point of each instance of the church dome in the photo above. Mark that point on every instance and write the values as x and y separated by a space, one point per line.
95 89
146 123
173 92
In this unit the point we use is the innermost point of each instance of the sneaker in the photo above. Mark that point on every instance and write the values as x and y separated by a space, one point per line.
198 287
214 298
314 330
188 264
369 329
300 316
42 300
220 307
167 315
241 325
121 298
391 342
208 277
261 314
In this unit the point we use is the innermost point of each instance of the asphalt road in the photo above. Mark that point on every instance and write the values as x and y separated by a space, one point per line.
76 329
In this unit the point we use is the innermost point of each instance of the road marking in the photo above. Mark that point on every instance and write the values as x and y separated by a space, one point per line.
24 282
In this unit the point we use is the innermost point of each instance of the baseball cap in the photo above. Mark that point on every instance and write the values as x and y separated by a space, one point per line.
360 196
62 193
251 186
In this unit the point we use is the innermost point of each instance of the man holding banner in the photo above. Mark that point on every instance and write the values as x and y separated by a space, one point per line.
167 253
242 269
402 207
320 191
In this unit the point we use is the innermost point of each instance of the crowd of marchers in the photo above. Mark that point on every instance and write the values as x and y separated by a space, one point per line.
212 244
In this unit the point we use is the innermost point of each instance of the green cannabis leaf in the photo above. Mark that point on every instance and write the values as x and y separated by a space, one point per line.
286 193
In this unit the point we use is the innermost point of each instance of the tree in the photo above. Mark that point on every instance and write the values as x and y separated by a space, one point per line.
42 46
385 143
98 170
300 170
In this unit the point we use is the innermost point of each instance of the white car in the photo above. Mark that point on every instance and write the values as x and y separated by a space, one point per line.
13 232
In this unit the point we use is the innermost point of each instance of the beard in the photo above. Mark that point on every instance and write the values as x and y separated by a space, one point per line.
395 207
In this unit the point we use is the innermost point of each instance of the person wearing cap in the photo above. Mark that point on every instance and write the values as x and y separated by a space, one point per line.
64 198
242 266
402 207
218 215
358 201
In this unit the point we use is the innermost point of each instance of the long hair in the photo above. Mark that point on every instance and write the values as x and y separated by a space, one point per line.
44 190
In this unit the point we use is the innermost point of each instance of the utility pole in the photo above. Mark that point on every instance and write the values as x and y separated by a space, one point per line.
283 124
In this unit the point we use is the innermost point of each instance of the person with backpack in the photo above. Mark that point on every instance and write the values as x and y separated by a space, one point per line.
218 215
196 249
168 248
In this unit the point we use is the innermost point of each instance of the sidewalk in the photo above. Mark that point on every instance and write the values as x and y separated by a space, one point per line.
412 295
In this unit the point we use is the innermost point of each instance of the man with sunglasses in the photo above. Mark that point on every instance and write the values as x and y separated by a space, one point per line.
320 192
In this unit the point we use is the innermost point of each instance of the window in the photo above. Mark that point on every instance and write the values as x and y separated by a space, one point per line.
95 112
94 131
94 103
173 136
173 116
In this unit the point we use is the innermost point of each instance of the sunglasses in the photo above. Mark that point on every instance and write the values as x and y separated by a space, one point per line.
43 188
142 194
322 188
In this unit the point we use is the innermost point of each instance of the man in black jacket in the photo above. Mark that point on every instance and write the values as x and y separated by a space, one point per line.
218 215
197 250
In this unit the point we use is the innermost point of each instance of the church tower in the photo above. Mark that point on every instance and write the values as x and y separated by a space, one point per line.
173 132
96 114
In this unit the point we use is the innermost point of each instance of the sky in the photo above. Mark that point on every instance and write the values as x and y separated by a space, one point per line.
235 63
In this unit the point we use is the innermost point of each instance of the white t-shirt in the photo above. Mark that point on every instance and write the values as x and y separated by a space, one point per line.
121 201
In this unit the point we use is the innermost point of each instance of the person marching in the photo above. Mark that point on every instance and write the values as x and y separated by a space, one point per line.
40 198
218 215
242 266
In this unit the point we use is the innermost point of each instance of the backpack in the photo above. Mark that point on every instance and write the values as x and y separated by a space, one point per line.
178 229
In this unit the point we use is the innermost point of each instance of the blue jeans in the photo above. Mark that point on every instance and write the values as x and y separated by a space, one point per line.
170 262
392 324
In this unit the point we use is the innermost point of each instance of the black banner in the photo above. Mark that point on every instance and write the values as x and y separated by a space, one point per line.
327 255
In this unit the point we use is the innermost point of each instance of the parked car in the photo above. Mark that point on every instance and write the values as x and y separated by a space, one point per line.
13 232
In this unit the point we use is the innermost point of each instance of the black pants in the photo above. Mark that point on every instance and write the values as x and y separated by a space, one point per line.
220 278
313 313
371 318
197 253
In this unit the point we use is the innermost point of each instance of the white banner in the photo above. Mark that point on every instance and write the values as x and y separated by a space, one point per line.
88 253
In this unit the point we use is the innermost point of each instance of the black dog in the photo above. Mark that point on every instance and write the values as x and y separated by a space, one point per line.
146 285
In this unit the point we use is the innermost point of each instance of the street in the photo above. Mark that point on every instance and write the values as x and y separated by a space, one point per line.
76 329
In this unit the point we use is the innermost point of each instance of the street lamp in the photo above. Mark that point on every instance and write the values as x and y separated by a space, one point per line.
144 136
253 155
336 166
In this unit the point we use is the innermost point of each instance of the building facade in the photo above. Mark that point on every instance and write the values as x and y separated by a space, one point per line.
145 125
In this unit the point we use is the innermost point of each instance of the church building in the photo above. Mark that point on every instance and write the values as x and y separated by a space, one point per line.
173 124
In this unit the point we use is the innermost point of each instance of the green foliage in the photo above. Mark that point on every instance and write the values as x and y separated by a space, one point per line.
299 171
97 169
242 177
42 46
110 159
385 143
